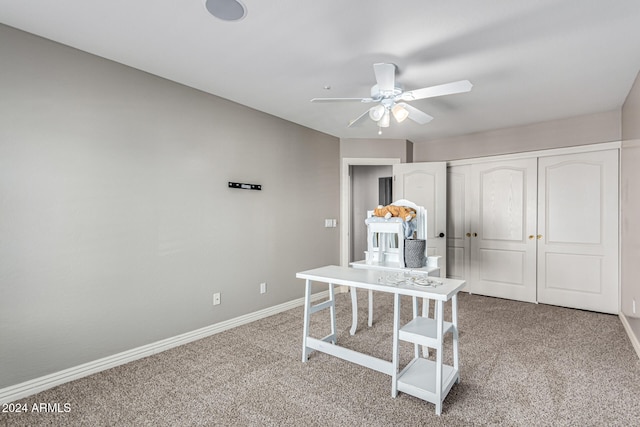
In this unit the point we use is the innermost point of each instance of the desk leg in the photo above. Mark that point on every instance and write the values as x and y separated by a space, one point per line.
426 303
370 321
396 328
439 329
454 321
416 347
354 310
332 311
307 314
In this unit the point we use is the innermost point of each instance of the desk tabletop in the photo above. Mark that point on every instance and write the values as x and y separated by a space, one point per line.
382 281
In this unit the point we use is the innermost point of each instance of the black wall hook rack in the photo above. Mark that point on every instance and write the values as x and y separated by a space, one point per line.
245 186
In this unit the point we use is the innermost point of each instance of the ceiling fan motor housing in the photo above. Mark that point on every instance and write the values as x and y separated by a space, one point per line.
377 94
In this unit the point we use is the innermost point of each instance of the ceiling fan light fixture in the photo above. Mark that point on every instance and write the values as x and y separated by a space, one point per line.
377 112
384 121
399 113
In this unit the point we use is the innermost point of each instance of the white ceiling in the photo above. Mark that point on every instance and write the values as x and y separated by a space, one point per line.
529 61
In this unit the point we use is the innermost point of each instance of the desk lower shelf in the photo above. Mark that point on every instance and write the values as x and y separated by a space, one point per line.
423 331
418 379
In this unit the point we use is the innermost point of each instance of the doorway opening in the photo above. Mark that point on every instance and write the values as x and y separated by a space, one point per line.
370 187
359 192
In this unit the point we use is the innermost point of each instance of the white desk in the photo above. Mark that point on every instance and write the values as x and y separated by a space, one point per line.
422 378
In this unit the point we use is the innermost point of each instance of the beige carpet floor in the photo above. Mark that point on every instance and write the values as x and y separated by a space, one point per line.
521 365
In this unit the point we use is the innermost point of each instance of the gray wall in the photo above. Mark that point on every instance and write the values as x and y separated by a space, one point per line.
377 148
630 190
581 130
116 223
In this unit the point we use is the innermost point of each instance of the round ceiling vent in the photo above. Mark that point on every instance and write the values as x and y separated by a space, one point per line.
227 10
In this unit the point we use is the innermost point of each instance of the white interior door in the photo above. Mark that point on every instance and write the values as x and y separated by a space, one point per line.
503 229
458 223
425 184
578 231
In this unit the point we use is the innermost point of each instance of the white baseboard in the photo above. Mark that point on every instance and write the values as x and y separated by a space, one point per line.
28 388
632 337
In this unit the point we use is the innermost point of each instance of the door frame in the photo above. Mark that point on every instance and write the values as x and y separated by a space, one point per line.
345 197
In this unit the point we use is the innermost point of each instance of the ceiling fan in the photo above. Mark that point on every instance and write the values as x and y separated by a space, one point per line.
390 99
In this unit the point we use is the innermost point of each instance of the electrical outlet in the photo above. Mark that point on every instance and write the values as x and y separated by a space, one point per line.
263 288
216 298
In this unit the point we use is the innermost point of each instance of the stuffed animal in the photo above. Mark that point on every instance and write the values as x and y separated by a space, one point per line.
404 212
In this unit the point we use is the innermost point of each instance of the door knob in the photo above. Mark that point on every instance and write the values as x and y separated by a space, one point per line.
441 235
539 236
468 234
531 237
475 234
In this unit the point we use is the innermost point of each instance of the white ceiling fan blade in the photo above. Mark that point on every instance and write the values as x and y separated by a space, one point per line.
416 115
440 90
365 100
358 119
385 76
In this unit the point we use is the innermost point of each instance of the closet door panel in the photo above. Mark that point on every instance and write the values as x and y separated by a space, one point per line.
458 243
502 204
578 231
492 264
585 274
573 190
456 264
503 257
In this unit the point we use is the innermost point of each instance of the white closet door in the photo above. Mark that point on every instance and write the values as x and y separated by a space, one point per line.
503 249
458 223
578 231
425 184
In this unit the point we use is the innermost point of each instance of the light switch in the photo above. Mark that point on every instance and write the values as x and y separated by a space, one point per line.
330 223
